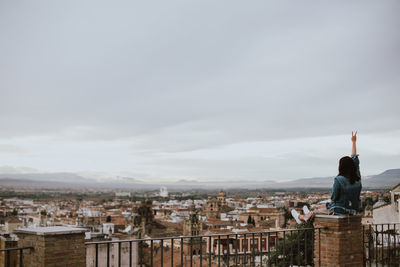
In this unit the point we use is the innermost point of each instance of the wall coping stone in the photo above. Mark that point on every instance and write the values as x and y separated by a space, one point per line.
50 230
336 216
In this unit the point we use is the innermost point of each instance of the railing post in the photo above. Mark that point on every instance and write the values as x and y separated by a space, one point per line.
339 242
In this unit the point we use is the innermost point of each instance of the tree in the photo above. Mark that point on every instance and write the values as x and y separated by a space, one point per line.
295 249
386 198
14 212
137 220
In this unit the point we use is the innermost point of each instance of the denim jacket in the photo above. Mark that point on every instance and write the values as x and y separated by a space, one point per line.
345 196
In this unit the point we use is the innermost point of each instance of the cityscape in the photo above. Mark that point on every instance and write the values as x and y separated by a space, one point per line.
199 133
118 215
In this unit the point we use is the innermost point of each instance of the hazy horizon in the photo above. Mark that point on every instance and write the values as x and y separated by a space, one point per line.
209 90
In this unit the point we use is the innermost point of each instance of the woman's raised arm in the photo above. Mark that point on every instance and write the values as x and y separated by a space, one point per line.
354 155
354 141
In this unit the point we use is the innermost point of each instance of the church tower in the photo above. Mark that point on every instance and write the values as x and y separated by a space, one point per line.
192 226
222 198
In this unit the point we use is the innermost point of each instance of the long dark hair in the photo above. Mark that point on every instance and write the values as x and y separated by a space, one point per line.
348 169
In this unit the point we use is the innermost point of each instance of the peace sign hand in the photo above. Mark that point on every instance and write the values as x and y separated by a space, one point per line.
354 137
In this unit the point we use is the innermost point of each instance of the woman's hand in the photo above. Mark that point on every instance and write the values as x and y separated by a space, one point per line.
354 137
354 140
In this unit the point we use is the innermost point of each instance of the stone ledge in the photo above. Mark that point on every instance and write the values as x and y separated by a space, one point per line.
337 217
50 230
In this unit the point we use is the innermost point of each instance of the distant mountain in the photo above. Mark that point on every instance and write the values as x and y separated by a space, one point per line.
17 169
316 182
104 176
187 181
51 177
386 179
23 183
18 178
392 173
48 180
27 183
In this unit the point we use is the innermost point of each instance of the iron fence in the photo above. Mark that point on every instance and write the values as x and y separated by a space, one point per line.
290 247
14 256
381 243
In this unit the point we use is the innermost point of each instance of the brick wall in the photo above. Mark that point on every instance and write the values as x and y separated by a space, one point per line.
53 246
340 241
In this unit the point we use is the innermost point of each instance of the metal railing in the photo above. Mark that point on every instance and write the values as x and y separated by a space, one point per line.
291 247
381 243
14 256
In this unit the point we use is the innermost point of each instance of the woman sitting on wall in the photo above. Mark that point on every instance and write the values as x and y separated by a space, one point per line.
345 199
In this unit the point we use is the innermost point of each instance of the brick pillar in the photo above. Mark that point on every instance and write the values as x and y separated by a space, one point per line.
53 246
340 241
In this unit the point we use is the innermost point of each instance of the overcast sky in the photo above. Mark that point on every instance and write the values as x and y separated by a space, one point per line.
235 90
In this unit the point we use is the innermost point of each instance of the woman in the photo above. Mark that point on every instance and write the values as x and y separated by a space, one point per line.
346 189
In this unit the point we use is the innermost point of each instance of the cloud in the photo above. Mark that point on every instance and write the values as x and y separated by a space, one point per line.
181 77
7 148
279 159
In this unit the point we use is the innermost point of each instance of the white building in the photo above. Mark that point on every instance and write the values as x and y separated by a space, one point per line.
122 194
388 212
108 228
163 192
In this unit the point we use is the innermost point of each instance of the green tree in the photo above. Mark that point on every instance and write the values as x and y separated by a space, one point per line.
296 248
386 198
14 212
137 220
